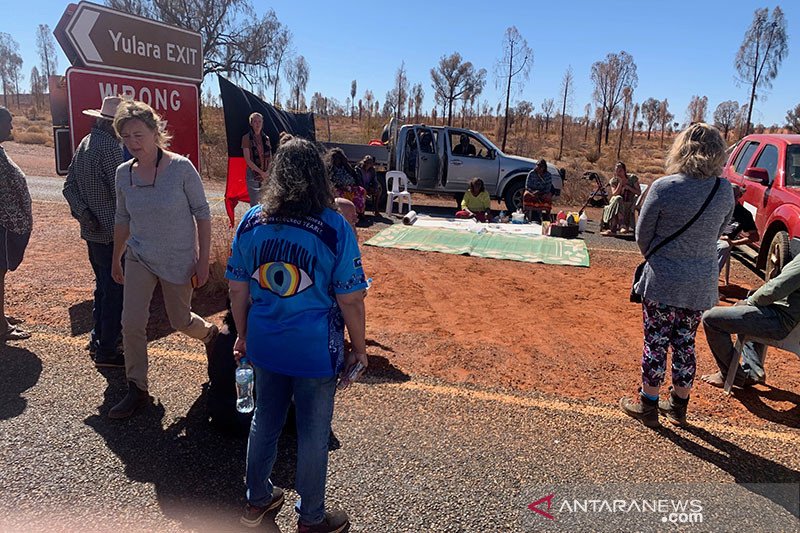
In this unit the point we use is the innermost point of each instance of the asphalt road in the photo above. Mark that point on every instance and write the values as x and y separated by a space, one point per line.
415 455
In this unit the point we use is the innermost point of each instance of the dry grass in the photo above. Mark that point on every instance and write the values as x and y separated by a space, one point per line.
221 236
32 131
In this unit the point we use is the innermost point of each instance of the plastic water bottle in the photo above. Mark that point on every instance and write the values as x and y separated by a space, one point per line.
582 221
244 387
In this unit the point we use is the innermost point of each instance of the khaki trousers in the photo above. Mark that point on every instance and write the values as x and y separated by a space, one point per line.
138 291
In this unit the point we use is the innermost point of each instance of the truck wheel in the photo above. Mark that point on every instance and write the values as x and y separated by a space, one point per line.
513 196
778 255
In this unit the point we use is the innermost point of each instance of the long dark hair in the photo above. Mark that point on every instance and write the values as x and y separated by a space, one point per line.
298 183
335 158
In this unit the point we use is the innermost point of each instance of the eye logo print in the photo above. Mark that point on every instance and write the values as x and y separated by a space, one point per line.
535 506
282 279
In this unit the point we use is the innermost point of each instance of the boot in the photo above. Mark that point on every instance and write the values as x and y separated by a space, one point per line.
645 410
135 398
674 409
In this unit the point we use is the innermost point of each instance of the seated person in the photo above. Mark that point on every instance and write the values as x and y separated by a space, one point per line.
618 214
369 180
464 147
344 179
426 142
347 210
538 187
771 312
742 230
476 202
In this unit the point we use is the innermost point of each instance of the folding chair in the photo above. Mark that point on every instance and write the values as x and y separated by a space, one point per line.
790 343
395 180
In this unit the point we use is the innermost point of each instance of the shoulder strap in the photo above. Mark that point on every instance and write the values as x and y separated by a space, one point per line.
687 225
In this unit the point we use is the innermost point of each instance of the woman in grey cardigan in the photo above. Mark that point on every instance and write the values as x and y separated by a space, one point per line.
679 281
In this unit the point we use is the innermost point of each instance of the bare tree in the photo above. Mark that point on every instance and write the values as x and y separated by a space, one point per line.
627 98
633 122
697 109
515 66
353 88
547 110
587 109
417 95
762 51
566 99
610 77
651 109
793 119
297 74
664 117
742 123
38 87
452 77
46 48
521 115
397 98
725 116
10 65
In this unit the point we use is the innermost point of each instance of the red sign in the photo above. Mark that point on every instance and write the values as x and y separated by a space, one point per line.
177 103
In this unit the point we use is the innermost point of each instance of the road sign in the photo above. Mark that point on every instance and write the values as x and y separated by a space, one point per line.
96 36
176 102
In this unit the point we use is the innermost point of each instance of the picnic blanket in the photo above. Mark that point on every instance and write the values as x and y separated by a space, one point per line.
470 224
525 248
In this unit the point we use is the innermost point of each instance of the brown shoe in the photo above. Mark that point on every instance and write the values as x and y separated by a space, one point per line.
334 522
254 514
644 410
674 409
135 398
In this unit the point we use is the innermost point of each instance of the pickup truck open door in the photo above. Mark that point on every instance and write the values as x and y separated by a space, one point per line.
427 158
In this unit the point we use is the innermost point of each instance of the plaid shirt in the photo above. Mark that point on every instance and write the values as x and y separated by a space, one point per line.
15 200
90 183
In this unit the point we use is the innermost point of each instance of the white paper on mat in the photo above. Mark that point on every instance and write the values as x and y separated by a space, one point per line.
425 221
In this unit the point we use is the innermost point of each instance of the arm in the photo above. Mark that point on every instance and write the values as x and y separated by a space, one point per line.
648 218
464 203
354 313
239 292
77 206
247 156
204 241
787 282
121 234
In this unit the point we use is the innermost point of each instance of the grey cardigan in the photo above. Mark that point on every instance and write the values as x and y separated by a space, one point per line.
685 272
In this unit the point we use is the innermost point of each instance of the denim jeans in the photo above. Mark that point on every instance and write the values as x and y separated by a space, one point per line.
107 311
253 187
313 399
748 320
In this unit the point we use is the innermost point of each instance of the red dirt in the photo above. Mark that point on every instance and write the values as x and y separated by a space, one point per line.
561 330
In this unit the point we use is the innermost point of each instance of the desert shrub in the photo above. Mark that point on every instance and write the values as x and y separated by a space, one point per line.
592 156
221 236
26 137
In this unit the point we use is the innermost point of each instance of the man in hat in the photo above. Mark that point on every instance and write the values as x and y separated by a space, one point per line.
90 192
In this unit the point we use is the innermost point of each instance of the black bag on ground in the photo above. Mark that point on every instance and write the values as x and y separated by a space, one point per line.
637 274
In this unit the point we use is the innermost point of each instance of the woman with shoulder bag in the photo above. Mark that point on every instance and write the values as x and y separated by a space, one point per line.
680 221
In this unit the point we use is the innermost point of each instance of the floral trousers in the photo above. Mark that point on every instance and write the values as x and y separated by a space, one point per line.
666 326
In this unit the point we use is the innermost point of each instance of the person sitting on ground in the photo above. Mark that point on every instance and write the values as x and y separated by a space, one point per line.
771 312
741 231
345 180
369 180
538 187
464 147
16 223
476 202
618 214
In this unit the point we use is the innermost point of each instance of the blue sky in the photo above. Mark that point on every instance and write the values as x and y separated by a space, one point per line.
681 48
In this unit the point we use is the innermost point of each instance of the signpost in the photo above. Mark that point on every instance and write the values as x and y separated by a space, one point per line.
176 102
106 46
96 36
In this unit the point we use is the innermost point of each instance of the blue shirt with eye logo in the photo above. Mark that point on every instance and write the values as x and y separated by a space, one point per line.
295 267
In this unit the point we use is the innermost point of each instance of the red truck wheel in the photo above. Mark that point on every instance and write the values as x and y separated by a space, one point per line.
778 255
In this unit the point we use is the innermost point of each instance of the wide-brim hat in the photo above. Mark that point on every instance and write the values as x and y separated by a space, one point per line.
108 110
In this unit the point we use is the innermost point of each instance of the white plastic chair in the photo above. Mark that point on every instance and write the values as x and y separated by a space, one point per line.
395 180
790 343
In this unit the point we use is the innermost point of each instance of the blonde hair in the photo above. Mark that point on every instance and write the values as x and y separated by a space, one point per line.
254 115
135 110
698 151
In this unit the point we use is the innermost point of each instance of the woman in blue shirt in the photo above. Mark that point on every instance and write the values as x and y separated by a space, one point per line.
295 282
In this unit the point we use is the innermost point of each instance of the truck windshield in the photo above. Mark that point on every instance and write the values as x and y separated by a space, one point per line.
793 165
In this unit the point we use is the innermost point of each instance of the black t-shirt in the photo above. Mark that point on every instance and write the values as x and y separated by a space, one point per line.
742 221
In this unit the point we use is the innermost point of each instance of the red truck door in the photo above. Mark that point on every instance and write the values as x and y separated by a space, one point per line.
764 197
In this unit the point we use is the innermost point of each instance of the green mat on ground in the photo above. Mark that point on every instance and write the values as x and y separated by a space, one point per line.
526 248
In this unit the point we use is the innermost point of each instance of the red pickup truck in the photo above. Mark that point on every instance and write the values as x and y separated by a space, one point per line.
768 166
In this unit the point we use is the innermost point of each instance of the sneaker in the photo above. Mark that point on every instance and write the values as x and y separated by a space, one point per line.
117 360
135 398
334 522
254 514
674 409
644 410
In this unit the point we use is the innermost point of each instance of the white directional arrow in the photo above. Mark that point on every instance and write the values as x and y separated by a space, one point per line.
80 32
